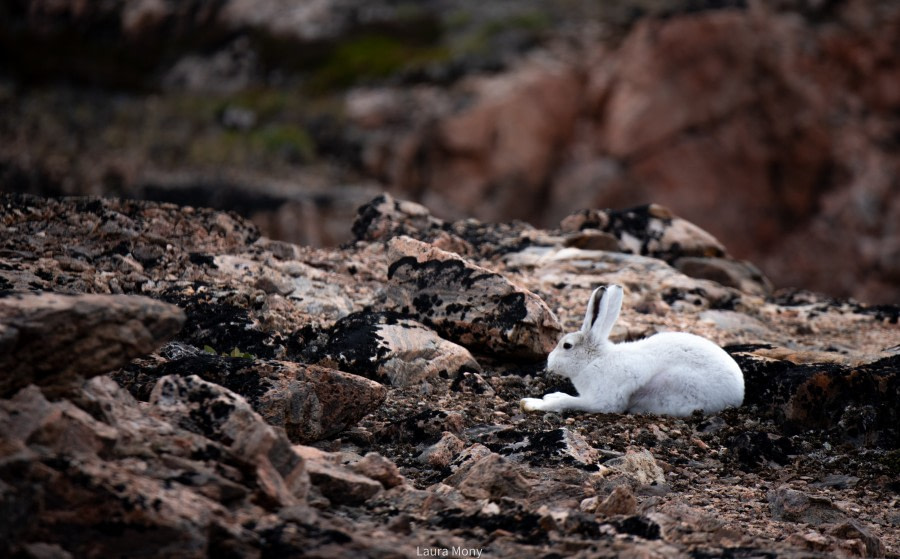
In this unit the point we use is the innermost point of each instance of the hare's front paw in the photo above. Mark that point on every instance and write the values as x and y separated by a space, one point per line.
531 404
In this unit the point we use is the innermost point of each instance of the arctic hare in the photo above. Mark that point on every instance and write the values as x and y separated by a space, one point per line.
671 373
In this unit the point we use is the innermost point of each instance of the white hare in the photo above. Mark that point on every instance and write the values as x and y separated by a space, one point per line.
671 373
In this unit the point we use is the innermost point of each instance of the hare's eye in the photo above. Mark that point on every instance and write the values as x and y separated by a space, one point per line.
567 345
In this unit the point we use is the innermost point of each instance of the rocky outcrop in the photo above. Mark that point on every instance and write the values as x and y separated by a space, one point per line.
53 340
822 395
102 474
758 162
235 439
771 124
220 415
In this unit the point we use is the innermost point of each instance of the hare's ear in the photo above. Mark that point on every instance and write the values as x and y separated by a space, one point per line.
593 310
609 308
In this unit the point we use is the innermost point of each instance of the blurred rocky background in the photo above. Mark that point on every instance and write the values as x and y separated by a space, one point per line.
774 125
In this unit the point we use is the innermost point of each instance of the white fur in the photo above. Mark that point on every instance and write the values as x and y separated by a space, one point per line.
672 373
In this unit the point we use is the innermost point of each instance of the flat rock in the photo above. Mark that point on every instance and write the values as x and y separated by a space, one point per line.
468 304
336 482
797 506
639 466
482 474
738 274
386 347
48 338
310 402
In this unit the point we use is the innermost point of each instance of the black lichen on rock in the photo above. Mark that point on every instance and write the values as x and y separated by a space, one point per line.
353 344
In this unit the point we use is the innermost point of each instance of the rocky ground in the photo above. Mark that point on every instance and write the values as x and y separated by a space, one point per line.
176 385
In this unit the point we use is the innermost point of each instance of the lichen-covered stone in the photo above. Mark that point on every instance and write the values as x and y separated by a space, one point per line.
650 230
310 402
220 415
386 347
844 400
386 217
113 475
468 304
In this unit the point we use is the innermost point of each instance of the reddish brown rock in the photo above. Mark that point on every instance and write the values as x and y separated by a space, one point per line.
792 141
379 468
336 482
441 453
51 340
620 501
164 486
490 477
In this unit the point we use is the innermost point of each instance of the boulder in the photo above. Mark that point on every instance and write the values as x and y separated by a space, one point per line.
738 274
386 217
468 304
51 339
386 347
650 230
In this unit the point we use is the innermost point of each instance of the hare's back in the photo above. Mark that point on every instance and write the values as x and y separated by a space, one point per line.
688 351
691 373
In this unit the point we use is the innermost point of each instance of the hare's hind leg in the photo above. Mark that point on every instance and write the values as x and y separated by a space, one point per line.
676 392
